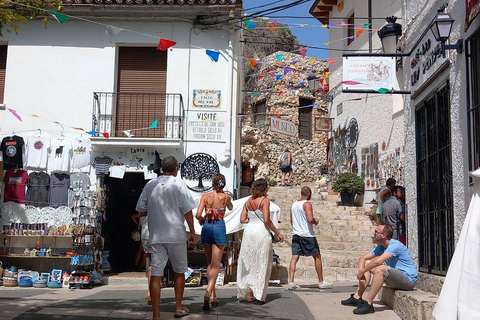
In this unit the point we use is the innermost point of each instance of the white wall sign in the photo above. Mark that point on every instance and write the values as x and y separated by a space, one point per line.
282 126
207 99
206 126
424 61
368 73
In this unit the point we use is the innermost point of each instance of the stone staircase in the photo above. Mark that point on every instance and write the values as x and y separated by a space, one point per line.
344 234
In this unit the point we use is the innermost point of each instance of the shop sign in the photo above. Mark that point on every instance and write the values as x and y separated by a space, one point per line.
137 153
323 124
472 9
368 73
206 126
207 99
283 127
425 60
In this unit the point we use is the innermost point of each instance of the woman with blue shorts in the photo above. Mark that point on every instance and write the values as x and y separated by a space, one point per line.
214 235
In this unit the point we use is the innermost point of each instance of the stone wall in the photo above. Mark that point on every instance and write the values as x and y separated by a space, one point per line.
282 99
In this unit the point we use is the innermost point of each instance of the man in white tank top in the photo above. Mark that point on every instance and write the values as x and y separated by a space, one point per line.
304 242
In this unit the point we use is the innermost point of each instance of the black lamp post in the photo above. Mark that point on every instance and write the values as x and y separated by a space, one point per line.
389 35
441 28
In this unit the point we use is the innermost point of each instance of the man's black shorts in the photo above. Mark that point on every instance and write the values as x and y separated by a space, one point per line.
304 246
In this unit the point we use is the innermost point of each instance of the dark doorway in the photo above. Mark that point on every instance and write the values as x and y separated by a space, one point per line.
123 195
305 119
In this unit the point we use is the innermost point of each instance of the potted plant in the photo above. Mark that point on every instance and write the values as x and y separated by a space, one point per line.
348 185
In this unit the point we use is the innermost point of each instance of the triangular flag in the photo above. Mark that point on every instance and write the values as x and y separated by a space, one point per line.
271 73
77 128
302 84
277 77
277 113
250 24
106 135
326 43
341 23
256 57
326 74
278 64
154 124
351 37
293 66
128 133
279 57
382 90
272 27
60 17
366 25
324 26
330 25
261 76
358 32
311 61
307 90
303 25
164 44
294 62
35 116
253 62
280 93
92 132
287 70
112 31
331 60
303 51
213 55
15 114
256 94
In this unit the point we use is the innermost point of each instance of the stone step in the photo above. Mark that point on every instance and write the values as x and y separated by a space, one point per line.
430 283
358 247
414 305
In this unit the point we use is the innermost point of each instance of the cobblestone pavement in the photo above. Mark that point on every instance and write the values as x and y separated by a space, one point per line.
126 301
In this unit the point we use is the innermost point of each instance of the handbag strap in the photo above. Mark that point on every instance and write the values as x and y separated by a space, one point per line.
255 211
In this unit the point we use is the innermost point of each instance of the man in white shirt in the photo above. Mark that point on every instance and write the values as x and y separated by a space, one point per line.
168 204
304 242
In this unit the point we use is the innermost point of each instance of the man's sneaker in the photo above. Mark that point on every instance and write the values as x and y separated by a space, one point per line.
352 301
293 286
325 285
364 308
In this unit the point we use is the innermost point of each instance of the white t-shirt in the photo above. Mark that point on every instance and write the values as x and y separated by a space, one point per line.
81 152
300 224
37 151
60 156
166 200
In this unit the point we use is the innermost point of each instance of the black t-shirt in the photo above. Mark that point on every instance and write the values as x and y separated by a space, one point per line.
12 152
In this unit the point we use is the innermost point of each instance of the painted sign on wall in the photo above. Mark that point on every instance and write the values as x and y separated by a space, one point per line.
283 127
368 73
472 9
207 99
206 126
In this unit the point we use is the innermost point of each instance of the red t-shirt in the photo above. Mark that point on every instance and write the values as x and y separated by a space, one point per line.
15 182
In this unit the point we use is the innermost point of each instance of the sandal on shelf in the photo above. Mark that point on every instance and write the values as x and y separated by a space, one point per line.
181 312
214 301
206 302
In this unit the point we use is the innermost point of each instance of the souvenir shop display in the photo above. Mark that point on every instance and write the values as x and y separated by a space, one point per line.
37 150
38 184
11 148
15 182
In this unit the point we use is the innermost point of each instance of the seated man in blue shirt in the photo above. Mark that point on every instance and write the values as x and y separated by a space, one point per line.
390 263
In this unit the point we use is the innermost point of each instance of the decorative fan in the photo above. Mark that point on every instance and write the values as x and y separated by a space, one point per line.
63 216
352 133
48 215
198 168
33 214
13 212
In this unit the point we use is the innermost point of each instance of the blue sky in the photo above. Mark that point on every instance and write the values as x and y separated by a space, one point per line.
311 34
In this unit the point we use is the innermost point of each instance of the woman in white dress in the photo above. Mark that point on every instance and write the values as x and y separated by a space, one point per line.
256 253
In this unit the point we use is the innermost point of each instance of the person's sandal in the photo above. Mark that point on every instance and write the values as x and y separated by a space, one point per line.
214 301
206 302
181 312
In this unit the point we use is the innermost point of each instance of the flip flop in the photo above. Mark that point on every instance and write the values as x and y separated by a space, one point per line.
181 312
214 301
206 302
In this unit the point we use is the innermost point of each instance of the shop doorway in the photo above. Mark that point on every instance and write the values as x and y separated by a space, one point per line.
123 195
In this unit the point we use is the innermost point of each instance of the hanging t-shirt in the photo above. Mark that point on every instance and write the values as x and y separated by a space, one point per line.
102 164
12 148
60 155
37 151
80 181
59 184
38 184
15 182
81 152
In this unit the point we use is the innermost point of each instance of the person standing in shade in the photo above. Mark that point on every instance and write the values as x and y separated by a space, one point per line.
214 234
390 263
304 242
285 163
168 204
384 194
256 253
393 213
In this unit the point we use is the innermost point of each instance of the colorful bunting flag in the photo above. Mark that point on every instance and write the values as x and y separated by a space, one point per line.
164 44
250 24
128 133
15 114
351 82
77 128
311 61
332 25
358 32
326 74
303 25
256 94
60 17
280 93
326 43
106 135
271 73
253 62
112 31
261 76
331 60
272 27
324 26
341 23
92 132
366 25
154 124
279 57
382 90
294 62
277 77
303 51
213 55
277 113
35 116
302 84
287 70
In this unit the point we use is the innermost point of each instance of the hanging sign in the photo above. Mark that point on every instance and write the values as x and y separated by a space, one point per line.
472 9
206 126
283 127
207 99
368 73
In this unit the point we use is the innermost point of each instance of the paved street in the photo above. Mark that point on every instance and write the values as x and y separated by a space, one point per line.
127 302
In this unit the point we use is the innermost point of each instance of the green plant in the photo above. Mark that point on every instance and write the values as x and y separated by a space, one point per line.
272 182
348 183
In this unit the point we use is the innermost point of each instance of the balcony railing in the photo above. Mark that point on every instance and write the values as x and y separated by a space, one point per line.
134 114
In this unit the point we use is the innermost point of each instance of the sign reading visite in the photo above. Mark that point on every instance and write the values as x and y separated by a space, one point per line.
206 126
282 126
368 73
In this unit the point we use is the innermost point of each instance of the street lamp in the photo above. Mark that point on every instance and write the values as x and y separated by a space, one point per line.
441 28
313 84
389 35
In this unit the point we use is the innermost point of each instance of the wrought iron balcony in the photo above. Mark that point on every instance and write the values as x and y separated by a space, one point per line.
134 115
